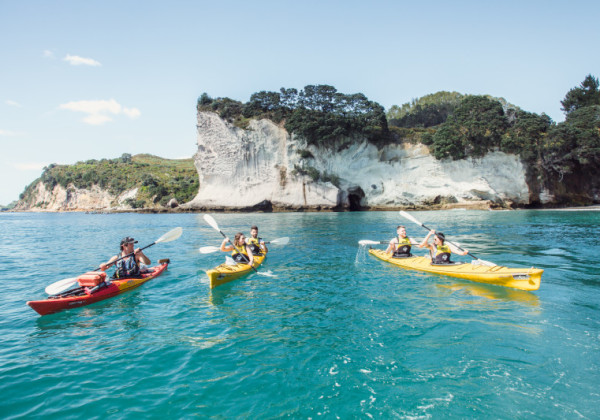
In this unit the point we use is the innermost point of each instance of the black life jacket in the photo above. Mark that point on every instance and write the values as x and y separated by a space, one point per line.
254 245
442 255
403 248
127 268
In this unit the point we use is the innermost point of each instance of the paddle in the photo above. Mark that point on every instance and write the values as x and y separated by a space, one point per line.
213 223
364 242
412 219
211 249
62 285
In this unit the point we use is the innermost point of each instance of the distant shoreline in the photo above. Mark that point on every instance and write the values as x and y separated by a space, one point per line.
179 210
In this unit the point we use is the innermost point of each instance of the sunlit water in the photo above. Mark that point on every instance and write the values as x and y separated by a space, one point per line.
336 334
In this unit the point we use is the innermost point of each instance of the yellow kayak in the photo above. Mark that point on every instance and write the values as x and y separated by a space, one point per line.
518 278
226 273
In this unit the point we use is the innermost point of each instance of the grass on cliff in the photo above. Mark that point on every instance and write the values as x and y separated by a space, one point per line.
157 179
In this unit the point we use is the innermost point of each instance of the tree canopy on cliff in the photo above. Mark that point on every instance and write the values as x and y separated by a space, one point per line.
318 113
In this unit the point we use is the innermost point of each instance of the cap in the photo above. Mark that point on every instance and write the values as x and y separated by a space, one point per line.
128 240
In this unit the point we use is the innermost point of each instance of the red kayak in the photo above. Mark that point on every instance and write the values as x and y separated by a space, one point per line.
80 297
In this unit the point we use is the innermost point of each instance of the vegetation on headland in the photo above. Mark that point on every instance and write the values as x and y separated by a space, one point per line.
318 113
453 125
158 180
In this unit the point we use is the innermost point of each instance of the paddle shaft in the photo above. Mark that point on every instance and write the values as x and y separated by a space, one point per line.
453 244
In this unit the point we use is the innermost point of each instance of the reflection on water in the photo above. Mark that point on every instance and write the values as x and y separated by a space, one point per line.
494 292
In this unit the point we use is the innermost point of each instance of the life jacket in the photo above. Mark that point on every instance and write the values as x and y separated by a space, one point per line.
243 257
442 255
254 244
127 267
403 248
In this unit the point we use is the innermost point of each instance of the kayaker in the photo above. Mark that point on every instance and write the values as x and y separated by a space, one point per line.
131 264
241 252
400 245
439 251
257 245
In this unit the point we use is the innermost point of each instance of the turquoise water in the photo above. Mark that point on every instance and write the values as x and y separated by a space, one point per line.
335 334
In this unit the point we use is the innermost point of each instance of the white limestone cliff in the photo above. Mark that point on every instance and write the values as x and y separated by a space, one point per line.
261 167
74 199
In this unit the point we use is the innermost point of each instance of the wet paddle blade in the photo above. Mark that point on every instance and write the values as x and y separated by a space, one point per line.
409 217
170 235
208 249
280 241
364 242
60 286
211 221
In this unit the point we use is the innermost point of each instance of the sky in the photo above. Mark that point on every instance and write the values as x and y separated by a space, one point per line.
92 79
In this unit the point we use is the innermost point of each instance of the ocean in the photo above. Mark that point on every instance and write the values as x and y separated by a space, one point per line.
334 333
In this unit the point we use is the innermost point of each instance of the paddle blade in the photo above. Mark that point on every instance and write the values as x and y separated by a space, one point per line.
211 221
409 217
364 242
280 241
60 286
208 249
170 235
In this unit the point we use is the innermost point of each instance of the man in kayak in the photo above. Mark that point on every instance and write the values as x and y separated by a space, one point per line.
400 245
130 264
240 251
257 245
439 251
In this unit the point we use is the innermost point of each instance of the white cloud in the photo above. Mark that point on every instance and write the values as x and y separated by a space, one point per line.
7 133
75 60
132 112
13 103
48 54
99 112
29 166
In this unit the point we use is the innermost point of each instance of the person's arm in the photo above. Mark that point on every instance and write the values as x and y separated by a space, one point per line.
424 243
105 266
141 257
264 246
392 246
226 248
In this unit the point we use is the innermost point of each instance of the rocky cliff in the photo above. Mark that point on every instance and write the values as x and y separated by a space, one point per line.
263 167
74 199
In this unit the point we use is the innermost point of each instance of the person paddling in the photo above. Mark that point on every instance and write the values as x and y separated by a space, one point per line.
129 266
439 251
240 251
257 245
400 246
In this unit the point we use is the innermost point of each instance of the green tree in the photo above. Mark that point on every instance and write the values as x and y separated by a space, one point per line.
525 134
476 127
586 94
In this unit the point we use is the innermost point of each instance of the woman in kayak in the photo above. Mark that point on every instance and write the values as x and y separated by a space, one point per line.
240 251
400 246
130 262
439 251
257 245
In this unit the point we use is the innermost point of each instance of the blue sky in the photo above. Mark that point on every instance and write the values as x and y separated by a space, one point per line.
86 80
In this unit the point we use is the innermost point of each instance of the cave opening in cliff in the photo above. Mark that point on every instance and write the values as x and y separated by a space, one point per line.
355 196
